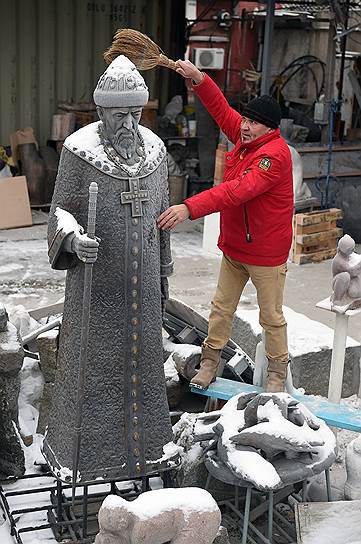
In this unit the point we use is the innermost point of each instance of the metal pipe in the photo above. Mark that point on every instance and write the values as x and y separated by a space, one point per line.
267 44
328 485
85 511
270 516
246 515
343 53
47 327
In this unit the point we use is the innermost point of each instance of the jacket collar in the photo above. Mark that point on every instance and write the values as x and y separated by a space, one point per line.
258 142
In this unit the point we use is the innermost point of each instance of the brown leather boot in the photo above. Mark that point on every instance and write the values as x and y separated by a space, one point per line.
208 371
276 376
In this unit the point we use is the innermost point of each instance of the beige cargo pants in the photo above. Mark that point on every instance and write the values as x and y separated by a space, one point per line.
269 283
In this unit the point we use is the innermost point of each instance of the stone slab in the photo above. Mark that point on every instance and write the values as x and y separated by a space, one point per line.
331 522
310 349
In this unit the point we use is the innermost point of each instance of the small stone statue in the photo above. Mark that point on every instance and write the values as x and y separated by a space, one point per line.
176 516
346 272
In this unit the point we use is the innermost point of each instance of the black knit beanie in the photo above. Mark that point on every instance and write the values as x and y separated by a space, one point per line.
264 109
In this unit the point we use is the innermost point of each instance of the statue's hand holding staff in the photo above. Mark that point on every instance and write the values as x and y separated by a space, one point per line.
85 248
172 216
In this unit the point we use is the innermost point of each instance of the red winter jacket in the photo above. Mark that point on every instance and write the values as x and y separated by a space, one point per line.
256 196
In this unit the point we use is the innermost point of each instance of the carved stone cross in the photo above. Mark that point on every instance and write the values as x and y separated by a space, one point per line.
135 196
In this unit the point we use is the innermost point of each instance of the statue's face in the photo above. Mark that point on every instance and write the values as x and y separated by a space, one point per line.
121 125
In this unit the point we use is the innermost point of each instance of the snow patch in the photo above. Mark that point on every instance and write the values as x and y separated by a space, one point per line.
12 343
153 503
66 222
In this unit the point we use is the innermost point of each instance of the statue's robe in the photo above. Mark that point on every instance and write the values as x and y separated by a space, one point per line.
125 413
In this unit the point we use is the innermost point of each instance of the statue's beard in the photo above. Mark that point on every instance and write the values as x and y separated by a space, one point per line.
124 143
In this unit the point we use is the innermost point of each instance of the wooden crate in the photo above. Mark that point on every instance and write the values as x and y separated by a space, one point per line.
315 235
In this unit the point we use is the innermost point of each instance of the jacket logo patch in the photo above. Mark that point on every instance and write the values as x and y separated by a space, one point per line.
265 164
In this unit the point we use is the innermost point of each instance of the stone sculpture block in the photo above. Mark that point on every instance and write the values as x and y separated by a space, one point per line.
47 344
11 360
12 461
11 351
176 516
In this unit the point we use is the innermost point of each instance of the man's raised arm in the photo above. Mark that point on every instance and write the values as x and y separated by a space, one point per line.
228 119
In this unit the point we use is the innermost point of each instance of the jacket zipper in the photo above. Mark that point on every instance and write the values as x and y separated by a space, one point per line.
248 234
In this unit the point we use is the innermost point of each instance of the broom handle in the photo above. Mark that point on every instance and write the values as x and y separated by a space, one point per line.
165 61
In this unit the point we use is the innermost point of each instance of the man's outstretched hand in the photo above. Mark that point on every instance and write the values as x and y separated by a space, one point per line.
172 216
186 69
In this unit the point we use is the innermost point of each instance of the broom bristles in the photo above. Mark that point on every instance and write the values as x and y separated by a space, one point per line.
139 49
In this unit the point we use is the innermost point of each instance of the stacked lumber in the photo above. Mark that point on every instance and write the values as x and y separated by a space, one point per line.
315 235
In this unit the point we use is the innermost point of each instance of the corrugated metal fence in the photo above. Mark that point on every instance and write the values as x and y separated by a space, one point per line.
51 51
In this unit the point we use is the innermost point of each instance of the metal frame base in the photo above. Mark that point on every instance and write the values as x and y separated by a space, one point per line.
69 522
265 502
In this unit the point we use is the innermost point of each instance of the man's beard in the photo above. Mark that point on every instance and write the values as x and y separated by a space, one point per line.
124 143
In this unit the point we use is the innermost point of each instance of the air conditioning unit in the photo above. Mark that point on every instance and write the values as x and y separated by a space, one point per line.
208 58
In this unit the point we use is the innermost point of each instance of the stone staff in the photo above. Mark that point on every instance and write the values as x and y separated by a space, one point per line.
88 274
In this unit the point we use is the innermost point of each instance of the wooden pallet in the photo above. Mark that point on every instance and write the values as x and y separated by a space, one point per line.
315 235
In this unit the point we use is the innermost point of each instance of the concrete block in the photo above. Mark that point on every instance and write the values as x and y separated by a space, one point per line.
310 349
11 360
47 344
11 351
162 515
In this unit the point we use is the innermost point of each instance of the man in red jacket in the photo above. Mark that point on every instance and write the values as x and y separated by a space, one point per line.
255 202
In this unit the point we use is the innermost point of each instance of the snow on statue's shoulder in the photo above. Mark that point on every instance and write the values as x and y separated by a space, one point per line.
67 222
87 145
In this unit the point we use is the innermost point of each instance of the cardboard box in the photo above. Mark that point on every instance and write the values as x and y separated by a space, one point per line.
14 203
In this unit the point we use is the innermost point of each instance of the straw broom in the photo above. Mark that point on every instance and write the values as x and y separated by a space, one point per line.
139 49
